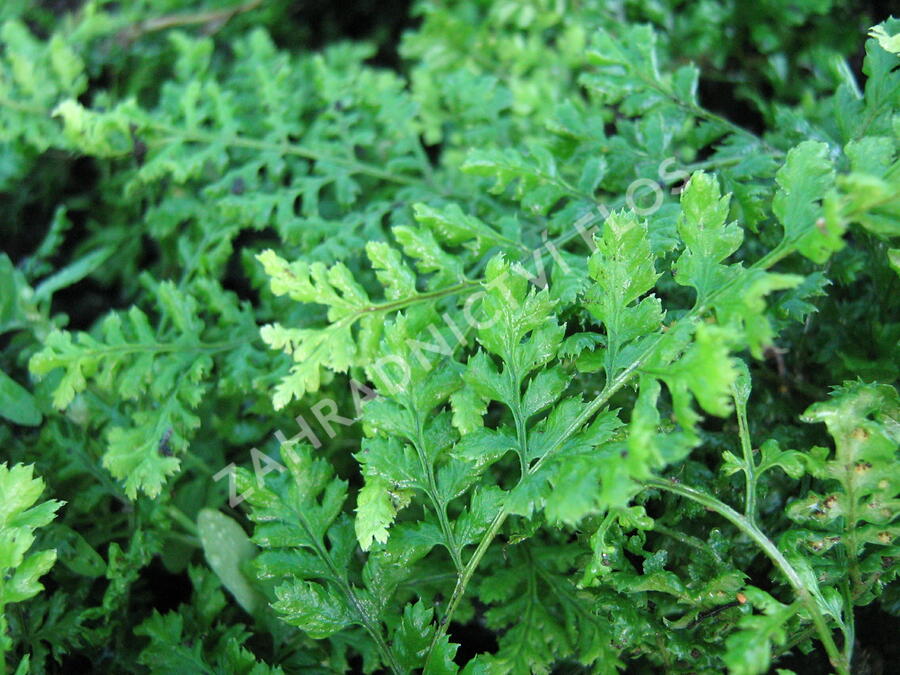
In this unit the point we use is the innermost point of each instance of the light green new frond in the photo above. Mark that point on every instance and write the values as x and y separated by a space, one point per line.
561 448
511 310
708 239
694 365
356 321
375 512
34 77
333 286
102 134
420 244
882 84
706 371
624 268
888 42
20 517
742 305
334 346
398 280
737 295
623 264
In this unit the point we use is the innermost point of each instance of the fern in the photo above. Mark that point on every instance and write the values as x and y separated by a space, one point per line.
526 305
20 517
133 363
852 529
692 358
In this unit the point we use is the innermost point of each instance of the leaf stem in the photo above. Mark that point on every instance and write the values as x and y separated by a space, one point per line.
463 581
165 347
284 148
521 432
179 517
439 505
185 539
212 18
684 538
806 595
750 477
849 626
405 302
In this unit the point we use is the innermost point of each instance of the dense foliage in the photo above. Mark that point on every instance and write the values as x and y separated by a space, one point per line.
550 337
